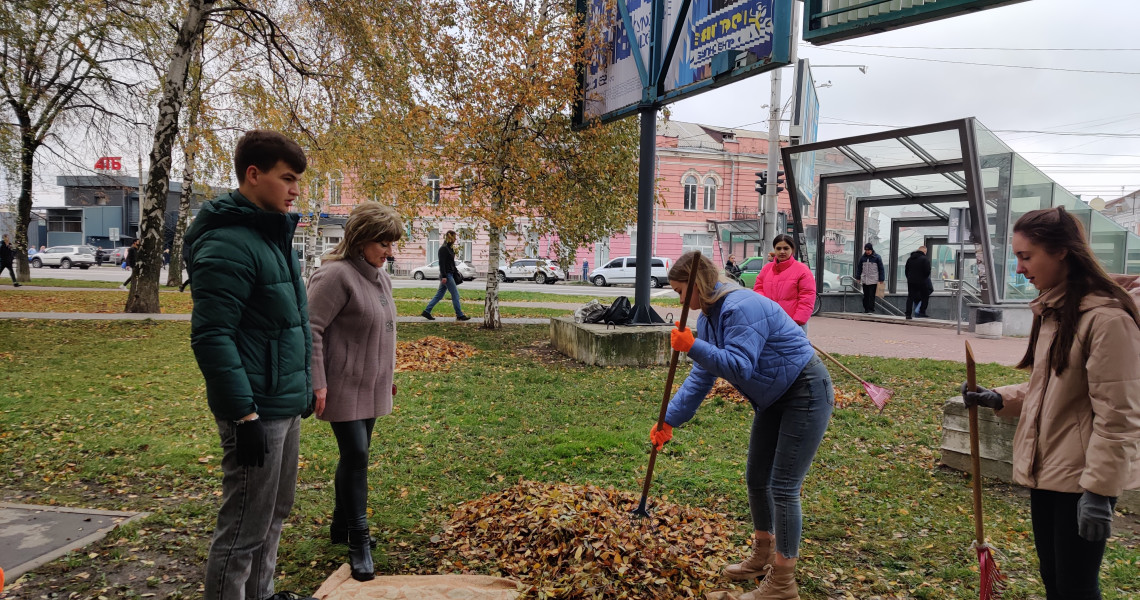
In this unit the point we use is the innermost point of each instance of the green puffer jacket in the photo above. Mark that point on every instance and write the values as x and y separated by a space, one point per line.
250 327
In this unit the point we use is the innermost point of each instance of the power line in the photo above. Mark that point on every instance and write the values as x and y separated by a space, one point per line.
977 64
1068 133
990 48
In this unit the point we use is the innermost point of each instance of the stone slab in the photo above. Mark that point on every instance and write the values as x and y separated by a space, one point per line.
995 446
32 535
609 346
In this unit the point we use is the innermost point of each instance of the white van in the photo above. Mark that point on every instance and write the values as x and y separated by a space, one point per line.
624 270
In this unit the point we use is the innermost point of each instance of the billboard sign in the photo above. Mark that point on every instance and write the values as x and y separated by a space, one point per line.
706 43
827 21
958 231
805 130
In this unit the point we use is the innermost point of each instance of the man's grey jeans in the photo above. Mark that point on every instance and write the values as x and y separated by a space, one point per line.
255 502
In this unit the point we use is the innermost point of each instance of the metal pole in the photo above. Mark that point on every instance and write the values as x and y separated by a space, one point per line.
645 184
958 295
768 212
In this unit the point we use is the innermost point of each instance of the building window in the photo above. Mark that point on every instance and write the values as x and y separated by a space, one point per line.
433 189
466 251
70 223
432 245
315 190
690 193
601 252
531 245
710 193
328 243
334 192
849 203
697 241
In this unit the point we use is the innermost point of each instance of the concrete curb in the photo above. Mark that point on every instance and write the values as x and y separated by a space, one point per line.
14 573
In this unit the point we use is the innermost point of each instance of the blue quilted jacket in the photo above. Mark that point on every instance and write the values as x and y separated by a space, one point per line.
749 341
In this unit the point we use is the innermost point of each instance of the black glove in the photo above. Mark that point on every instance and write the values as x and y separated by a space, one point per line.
982 397
1094 517
251 446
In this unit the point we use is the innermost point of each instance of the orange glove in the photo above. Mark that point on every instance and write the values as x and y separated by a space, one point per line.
658 437
681 338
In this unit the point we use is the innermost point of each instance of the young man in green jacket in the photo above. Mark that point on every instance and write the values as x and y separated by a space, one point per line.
250 335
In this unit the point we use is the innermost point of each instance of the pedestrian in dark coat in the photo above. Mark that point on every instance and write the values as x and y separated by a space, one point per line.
7 256
132 257
918 285
870 272
448 275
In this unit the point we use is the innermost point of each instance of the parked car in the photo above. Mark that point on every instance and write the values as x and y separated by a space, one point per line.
541 270
118 255
63 257
751 266
431 271
624 270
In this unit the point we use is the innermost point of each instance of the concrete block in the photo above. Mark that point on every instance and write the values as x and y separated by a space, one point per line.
595 344
995 446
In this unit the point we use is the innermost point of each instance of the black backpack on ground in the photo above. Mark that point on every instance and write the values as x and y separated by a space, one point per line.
620 312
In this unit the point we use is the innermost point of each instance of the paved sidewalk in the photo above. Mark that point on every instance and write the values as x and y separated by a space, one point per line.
877 337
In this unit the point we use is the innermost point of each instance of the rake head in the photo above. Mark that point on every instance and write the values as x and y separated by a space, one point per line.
879 395
993 582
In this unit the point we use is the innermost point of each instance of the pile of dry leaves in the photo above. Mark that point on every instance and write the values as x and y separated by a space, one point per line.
843 398
430 353
580 541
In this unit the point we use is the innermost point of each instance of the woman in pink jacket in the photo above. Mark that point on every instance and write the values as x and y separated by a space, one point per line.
788 282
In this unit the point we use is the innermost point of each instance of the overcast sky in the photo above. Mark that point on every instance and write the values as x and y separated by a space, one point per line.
898 90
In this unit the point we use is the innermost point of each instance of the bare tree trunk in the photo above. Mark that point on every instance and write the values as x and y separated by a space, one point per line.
491 317
311 236
143 297
190 152
24 208
174 274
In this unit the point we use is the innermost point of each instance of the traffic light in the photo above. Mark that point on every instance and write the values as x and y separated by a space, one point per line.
762 182
779 181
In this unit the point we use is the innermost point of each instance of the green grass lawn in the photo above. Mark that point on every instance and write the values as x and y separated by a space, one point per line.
112 415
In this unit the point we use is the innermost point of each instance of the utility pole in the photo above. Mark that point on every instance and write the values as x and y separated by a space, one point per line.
768 210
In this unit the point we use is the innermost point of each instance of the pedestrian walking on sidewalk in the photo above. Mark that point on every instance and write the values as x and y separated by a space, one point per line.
7 258
918 284
750 341
870 273
250 334
788 282
353 317
448 275
1077 444
129 263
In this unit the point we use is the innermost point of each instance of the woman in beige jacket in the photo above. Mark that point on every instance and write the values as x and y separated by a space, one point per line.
353 319
1077 445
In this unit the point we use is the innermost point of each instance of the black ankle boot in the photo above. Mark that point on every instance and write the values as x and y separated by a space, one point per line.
338 529
360 555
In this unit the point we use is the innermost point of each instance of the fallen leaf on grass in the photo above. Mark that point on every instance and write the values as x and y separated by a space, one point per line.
430 353
581 541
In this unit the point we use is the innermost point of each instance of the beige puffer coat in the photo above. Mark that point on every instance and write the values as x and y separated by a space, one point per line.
1080 430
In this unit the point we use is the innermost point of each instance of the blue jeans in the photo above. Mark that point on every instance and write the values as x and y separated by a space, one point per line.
255 502
785 437
450 288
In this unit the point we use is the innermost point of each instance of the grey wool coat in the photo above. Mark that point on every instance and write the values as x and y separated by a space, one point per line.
353 319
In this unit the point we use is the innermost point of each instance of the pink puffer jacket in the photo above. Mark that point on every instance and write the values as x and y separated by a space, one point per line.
789 284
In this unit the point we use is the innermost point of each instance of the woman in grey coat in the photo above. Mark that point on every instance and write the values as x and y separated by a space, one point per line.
353 319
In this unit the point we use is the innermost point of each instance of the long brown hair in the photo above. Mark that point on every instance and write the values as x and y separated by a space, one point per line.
1054 229
707 278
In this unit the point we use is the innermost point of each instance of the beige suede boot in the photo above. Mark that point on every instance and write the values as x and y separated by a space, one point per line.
778 584
753 566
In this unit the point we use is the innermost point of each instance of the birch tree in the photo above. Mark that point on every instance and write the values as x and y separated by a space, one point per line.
501 83
61 63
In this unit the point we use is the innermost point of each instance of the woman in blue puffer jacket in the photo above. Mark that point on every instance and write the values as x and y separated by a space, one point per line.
749 341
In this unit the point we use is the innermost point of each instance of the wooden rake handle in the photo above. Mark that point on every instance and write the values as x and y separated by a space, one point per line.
841 366
693 270
975 453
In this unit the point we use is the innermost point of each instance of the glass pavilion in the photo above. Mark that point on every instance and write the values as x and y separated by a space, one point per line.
897 188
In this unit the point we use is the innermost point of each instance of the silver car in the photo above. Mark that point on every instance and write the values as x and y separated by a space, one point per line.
540 270
63 257
431 271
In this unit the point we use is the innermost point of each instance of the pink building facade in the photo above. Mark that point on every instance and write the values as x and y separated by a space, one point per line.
706 179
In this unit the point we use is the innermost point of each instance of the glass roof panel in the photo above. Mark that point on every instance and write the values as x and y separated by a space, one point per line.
886 153
941 145
928 184
987 142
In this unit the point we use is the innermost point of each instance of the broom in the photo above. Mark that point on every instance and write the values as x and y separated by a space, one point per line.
879 395
992 578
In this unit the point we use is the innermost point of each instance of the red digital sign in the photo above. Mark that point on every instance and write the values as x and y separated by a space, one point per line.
109 163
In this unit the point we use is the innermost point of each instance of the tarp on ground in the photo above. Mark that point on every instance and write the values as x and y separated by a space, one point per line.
341 586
